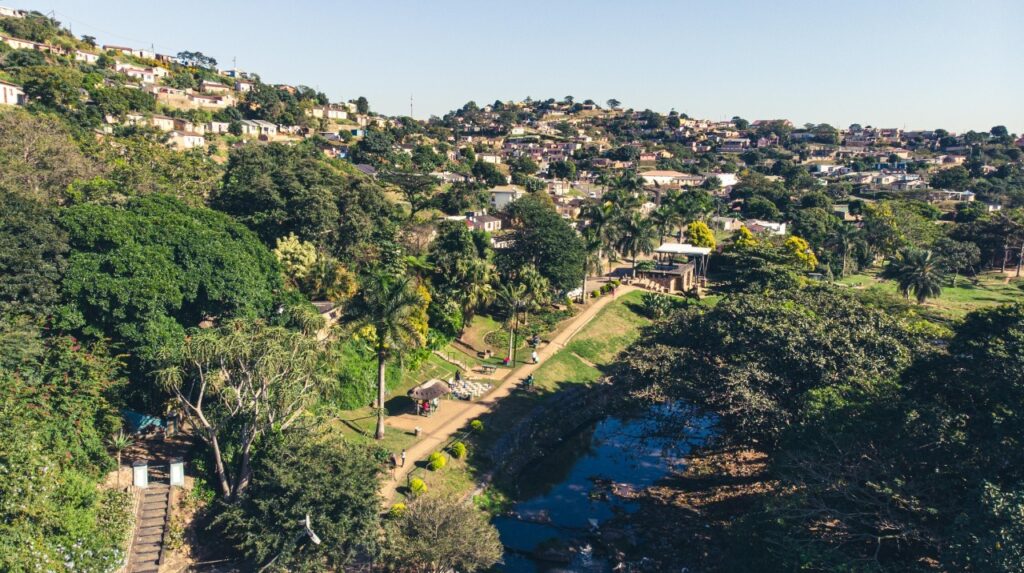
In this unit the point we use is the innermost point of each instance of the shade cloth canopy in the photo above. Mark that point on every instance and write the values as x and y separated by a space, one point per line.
429 390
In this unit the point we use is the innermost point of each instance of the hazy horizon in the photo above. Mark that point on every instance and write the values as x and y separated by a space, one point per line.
917 64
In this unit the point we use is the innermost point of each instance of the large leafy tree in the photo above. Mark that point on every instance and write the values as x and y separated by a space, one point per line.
144 273
278 189
297 474
33 251
543 238
38 157
387 306
462 266
238 383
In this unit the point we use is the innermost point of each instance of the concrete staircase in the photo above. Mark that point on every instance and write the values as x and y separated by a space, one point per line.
147 548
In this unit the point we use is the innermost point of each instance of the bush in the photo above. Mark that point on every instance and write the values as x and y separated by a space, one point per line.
436 461
458 450
593 294
477 425
397 510
417 487
616 282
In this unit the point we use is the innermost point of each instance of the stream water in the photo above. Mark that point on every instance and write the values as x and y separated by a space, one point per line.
572 490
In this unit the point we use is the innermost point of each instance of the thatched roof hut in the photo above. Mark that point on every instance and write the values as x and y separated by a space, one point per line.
429 390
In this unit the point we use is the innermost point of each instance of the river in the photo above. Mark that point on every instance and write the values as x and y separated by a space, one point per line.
563 496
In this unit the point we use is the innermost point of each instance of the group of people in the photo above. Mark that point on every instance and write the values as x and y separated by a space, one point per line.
395 463
427 407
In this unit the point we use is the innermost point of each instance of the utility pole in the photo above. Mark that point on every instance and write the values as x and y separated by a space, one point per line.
410 106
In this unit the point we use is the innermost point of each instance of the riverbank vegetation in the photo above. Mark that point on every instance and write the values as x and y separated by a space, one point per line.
851 438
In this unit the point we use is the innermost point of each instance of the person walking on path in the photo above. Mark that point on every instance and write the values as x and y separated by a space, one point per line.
536 358
403 458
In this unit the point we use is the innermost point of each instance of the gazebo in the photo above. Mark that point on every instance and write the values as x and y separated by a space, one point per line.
433 388
665 254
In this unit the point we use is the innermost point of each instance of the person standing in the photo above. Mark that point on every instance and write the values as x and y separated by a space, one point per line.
536 357
403 458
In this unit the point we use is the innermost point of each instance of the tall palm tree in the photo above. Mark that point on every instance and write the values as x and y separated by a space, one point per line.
636 238
477 290
388 305
917 272
664 219
538 290
592 246
842 241
513 298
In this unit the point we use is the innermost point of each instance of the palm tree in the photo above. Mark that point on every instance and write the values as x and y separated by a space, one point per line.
388 305
917 272
119 442
478 290
636 238
592 246
843 240
513 298
419 265
664 219
538 290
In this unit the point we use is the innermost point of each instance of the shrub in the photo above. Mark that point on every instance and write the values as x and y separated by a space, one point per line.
397 510
593 294
477 425
417 487
436 461
616 282
458 450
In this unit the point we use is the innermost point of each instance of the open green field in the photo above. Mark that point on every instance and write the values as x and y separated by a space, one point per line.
971 293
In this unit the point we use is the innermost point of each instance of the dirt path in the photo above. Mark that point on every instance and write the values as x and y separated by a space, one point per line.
453 415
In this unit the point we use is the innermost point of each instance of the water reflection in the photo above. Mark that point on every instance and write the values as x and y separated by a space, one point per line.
575 487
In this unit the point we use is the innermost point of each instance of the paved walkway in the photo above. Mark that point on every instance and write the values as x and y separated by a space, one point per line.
453 415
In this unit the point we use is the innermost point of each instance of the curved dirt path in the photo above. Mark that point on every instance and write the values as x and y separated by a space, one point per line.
456 414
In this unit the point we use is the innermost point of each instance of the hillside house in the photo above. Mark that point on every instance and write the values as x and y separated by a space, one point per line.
726 223
483 222
186 139
11 94
243 86
258 128
86 57
766 227
218 127
502 195
208 87
11 12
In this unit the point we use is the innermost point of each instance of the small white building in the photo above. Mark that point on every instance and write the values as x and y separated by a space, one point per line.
86 57
186 139
11 94
218 127
769 227
503 195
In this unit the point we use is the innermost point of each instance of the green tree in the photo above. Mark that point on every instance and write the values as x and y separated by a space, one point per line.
636 237
38 158
237 384
917 273
33 254
295 475
513 298
543 238
387 306
143 273
442 533
957 257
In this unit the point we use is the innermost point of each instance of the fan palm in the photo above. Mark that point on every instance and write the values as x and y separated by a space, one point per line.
918 273
664 219
388 306
512 298
636 237
842 241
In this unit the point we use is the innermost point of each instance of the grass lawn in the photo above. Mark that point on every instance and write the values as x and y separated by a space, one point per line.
613 329
971 293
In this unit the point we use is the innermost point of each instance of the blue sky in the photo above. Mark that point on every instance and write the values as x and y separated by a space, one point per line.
915 63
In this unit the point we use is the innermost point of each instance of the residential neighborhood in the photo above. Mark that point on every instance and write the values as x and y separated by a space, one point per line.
280 292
